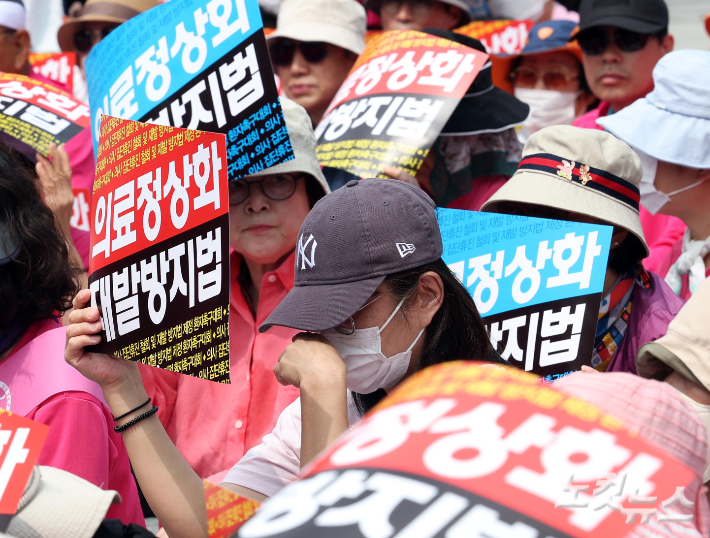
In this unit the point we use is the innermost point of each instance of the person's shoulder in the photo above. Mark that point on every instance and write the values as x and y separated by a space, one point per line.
658 306
589 119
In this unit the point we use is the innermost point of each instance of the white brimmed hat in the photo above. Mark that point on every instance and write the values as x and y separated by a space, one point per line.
672 123
303 142
58 504
585 171
338 22
686 347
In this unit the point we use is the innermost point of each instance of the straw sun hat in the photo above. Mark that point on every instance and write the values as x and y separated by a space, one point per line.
584 171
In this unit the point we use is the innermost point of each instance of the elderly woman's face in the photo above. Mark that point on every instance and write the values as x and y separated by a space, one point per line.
264 229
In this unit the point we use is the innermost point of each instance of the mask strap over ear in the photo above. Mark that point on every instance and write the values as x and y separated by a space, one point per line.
391 316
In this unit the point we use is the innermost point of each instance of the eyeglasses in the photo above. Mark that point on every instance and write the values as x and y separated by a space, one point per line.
274 187
85 39
596 40
283 50
418 7
524 77
348 326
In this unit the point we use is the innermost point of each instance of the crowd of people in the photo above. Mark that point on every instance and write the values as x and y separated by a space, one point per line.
312 351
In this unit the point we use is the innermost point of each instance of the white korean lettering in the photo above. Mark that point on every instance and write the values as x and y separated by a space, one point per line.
235 72
486 281
154 70
124 216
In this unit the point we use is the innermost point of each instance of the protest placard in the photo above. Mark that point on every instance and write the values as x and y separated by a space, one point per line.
462 450
34 115
499 37
226 511
203 65
21 441
56 66
398 96
159 268
536 282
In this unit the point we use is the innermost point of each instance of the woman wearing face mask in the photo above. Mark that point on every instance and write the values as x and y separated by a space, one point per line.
477 150
585 175
266 211
676 168
548 76
379 304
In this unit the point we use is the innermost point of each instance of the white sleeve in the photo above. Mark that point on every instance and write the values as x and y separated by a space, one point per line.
276 462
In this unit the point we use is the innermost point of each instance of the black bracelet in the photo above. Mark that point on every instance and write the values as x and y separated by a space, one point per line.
119 429
124 415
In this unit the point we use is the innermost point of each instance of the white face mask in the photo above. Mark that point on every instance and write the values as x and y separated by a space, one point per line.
651 198
547 108
703 412
368 369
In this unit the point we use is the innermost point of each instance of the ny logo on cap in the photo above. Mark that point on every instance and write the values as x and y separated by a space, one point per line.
302 252
405 248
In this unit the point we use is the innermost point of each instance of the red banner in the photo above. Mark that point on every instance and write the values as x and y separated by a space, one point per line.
465 450
226 511
21 441
56 66
499 37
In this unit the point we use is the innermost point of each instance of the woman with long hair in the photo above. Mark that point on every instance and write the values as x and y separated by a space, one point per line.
376 303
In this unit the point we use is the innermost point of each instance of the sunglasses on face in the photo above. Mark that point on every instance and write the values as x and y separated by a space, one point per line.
596 40
85 39
283 50
275 187
556 80
418 7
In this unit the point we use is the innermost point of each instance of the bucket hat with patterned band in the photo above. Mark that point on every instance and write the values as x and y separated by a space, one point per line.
584 171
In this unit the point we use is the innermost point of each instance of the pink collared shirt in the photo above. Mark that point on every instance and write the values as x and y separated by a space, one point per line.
213 425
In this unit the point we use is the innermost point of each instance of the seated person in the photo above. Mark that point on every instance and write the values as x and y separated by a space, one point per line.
313 48
548 76
637 305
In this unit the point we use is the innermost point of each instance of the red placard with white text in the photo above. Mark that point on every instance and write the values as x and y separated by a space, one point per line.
463 450
226 511
34 115
159 258
499 37
21 441
56 66
394 103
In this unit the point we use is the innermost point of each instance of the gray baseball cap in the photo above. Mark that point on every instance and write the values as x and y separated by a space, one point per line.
350 241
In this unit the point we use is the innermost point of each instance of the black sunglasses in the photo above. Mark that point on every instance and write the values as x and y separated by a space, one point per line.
274 187
84 38
596 40
283 50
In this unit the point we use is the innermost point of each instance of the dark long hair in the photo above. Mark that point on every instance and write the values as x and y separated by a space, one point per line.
39 281
455 333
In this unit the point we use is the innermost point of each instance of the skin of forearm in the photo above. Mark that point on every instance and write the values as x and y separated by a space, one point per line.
173 490
324 416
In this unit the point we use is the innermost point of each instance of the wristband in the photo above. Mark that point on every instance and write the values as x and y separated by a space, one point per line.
115 419
153 411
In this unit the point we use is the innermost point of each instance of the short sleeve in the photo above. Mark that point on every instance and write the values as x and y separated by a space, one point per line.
276 462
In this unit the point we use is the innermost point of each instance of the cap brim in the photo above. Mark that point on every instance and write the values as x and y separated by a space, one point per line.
316 308
490 112
621 21
673 352
327 33
539 188
69 28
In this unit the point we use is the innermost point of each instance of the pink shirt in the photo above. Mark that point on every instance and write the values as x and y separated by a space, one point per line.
660 231
81 440
213 425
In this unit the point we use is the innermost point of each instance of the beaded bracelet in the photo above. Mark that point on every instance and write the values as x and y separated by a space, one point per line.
153 411
115 419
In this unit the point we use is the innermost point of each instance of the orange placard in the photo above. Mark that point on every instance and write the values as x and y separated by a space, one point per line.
226 511
499 37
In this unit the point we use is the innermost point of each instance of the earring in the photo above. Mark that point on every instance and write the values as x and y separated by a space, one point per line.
616 244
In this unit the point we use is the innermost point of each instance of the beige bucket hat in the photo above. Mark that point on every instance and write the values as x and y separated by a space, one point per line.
338 22
585 171
303 142
115 11
686 346
58 504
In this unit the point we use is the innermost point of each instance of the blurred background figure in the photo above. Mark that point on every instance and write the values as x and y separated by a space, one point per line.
38 279
677 165
420 14
621 45
536 10
636 305
314 46
14 38
548 76
477 150
94 21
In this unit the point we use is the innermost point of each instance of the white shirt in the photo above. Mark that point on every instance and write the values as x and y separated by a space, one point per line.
276 462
